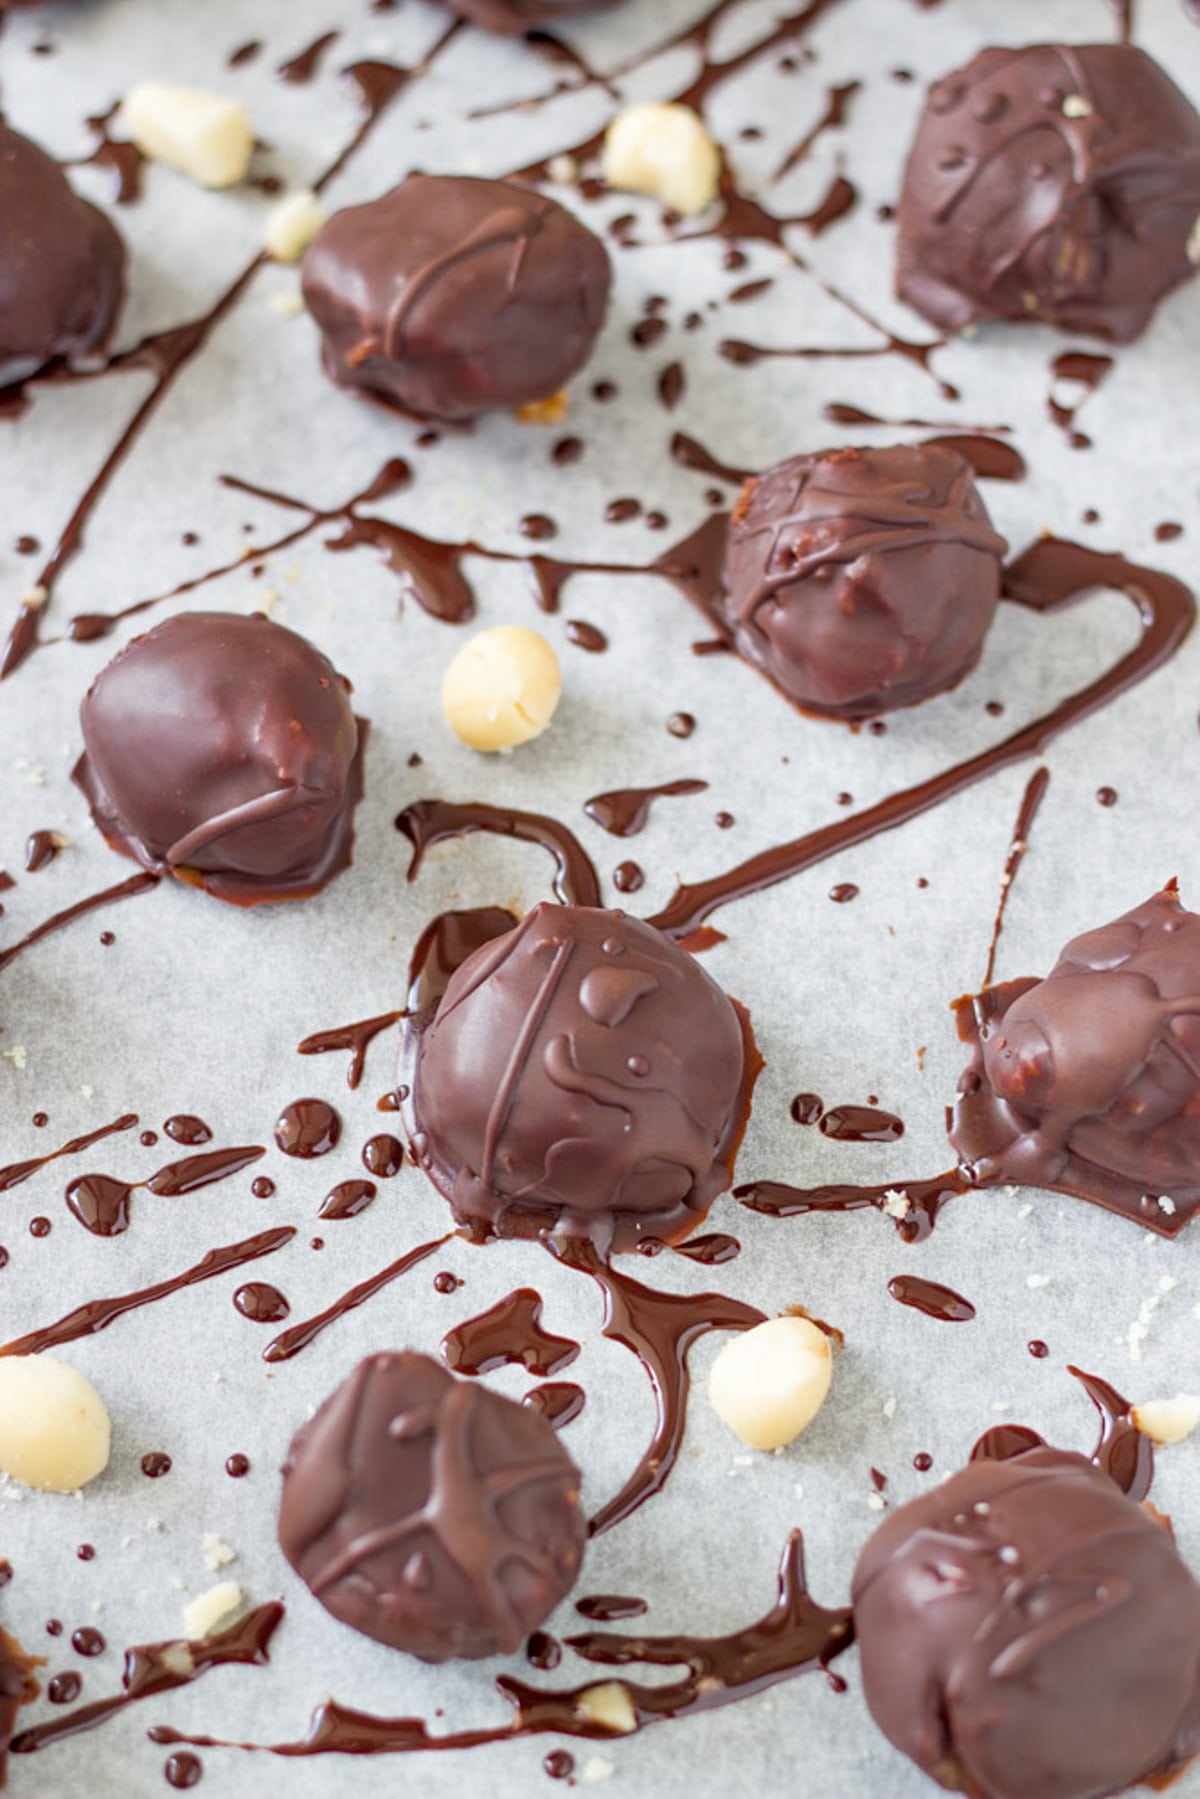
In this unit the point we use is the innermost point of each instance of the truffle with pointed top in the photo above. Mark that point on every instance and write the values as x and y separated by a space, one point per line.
431 1513
1088 1081
1028 1632
1055 182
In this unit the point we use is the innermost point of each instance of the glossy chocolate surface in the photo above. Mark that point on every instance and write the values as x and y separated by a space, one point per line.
582 1074
1028 1632
1089 1081
860 580
223 750
450 295
1054 182
429 1512
521 15
62 264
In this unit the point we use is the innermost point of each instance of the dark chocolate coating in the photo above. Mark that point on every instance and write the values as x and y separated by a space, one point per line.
1012 208
1028 1632
450 295
17 1688
62 264
222 749
582 1073
512 16
431 1513
862 580
1089 1081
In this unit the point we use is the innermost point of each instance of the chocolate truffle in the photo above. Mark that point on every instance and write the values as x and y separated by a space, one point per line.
222 749
17 1688
429 1512
582 1074
450 295
62 264
1056 183
862 580
1089 1081
522 15
1028 1632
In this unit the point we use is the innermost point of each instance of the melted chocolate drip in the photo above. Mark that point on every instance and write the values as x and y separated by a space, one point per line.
290 1342
1050 576
559 1402
610 1608
139 883
659 1328
1122 1452
931 1298
913 1205
347 1199
357 1038
797 1636
711 1250
1035 793
511 1331
16 1172
427 822
301 68
97 1314
861 1124
41 848
1088 372
261 1303
626 811
154 1668
383 1156
308 1128
182 1127
101 1203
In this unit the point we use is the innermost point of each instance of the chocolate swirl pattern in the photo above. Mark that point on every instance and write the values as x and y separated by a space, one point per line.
1053 182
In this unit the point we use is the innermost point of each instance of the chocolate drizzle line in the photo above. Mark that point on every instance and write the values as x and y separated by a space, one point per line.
659 1328
16 1172
154 1668
1035 793
1048 577
290 1342
558 1401
427 822
931 1298
101 1203
139 883
511 1331
96 1315
1122 1451
357 1038
626 811
797 1636
913 1205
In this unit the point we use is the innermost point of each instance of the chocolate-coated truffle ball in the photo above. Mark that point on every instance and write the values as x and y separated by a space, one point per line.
522 15
450 295
862 580
1056 182
429 1512
1089 1081
584 1074
222 750
1028 1632
62 264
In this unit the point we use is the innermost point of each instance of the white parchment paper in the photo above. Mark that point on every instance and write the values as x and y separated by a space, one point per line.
198 1007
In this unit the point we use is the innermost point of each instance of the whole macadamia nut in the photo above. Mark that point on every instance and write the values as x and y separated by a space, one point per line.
502 688
54 1428
663 150
769 1384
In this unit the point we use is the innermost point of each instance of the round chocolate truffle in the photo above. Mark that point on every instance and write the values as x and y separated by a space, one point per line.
1057 182
522 15
222 749
62 264
429 1512
862 580
1028 1632
1089 1081
450 295
582 1073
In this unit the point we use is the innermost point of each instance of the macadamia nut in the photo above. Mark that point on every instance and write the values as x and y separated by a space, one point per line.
663 150
609 1707
204 136
210 1608
1168 1420
769 1384
54 1428
502 687
291 226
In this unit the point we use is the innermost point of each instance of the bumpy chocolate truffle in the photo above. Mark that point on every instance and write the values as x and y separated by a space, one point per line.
430 1513
17 1688
1056 183
222 750
1028 1632
62 264
450 295
582 1073
862 580
522 15
1089 1081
